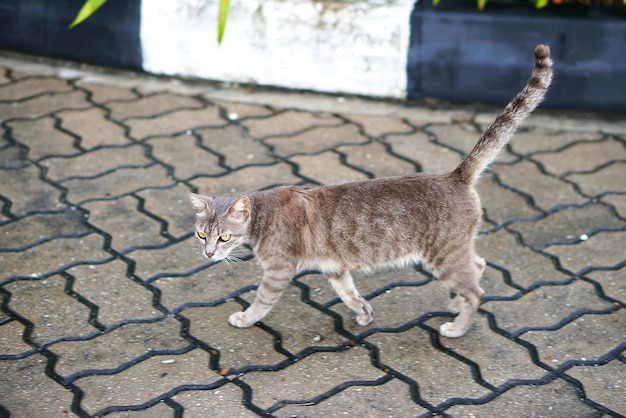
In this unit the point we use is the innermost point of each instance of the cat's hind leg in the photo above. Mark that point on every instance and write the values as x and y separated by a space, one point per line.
463 280
274 281
344 286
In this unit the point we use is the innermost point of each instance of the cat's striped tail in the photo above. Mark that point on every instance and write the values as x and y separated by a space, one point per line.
502 128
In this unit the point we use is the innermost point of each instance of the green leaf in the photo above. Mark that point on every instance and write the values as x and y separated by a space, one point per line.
221 19
481 4
87 10
540 4
436 2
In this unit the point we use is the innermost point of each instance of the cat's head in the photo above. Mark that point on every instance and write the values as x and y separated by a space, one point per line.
221 223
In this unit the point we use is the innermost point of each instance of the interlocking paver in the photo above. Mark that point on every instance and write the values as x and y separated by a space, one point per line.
316 139
288 123
605 384
43 105
151 105
41 138
93 128
236 146
175 122
108 308
609 178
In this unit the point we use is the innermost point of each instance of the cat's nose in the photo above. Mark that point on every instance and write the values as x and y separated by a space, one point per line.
209 255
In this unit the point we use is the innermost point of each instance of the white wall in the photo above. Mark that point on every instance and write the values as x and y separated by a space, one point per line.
357 47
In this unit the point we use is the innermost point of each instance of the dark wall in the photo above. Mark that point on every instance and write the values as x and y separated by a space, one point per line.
460 54
110 37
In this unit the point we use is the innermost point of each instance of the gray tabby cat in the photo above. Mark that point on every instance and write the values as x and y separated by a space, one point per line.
367 225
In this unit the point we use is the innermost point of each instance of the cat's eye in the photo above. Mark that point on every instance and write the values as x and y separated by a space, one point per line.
201 235
225 237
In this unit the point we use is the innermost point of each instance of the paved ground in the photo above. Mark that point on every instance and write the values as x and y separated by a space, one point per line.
108 309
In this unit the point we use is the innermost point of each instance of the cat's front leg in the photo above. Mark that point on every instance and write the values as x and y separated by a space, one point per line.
272 285
344 286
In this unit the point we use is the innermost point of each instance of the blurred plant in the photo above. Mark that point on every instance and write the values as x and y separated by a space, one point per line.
91 6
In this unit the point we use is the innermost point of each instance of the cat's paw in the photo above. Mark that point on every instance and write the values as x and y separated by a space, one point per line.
367 315
449 330
240 320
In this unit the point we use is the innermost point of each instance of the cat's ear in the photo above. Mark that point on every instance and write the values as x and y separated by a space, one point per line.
240 209
200 204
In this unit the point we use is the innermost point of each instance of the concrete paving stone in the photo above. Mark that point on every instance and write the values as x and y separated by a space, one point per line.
501 204
555 122
171 205
95 163
180 257
151 105
158 410
118 297
326 168
27 192
598 250
31 229
316 139
546 306
102 93
543 141
28 392
53 313
236 145
238 348
322 292
118 347
377 126
398 306
207 285
145 381
500 360
584 156
461 137
175 152
618 202
389 400
374 158
93 128
44 105
613 282
608 179
412 354
585 339
37 261
3 75
421 115
605 384
246 179
289 123
11 341
117 183
23 89
525 266
494 284
226 401
299 324
128 227
419 148
567 225
41 138
238 111
556 399
547 192
176 122
12 157
294 382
